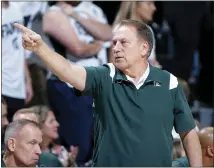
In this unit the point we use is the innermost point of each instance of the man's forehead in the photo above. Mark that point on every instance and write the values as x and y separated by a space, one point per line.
29 132
123 32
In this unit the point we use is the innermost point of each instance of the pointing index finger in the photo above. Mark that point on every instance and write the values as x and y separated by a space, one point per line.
23 28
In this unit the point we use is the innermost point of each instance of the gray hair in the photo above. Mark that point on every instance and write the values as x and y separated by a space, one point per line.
14 128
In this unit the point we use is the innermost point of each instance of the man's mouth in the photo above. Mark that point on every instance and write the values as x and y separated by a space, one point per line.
118 57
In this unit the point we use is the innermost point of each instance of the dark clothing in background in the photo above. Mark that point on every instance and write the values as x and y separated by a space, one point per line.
13 105
205 81
184 19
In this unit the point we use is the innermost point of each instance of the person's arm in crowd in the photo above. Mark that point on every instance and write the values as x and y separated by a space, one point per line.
57 25
97 29
73 74
192 148
28 84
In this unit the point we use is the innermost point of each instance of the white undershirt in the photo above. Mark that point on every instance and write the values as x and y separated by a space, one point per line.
142 78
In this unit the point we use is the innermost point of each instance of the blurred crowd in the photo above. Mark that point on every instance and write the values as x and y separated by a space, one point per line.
81 31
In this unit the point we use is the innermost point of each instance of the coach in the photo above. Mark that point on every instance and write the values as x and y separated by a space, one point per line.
137 105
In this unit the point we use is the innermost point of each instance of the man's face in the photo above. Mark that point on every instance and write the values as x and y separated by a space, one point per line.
4 121
27 146
128 50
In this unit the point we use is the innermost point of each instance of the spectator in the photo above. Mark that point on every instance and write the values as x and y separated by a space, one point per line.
33 14
142 11
184 19
4 122
16 81
45 159
49 127
206 140
81 26
22 140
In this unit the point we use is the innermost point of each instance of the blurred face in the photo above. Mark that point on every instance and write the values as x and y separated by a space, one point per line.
4 120
26 116
128 50
50 127
145 10
27 146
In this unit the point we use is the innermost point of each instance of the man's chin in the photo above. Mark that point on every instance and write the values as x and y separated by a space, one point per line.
121 66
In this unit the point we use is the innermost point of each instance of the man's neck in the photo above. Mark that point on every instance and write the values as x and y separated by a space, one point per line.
136 72
4 4
10 162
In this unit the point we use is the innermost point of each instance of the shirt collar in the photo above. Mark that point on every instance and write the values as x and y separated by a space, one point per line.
150 77
142 78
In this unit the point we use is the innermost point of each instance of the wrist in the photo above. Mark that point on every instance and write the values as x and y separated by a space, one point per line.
39 50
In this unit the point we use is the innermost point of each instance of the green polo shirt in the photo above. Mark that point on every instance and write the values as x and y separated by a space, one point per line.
181 162
133 126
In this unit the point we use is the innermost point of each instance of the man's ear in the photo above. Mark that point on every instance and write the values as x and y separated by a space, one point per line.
210 151
11 144
144 48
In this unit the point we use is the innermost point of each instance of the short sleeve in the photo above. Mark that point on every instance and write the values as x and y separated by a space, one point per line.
97 78
183 119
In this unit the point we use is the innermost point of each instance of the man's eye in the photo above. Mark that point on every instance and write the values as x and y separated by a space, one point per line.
32 143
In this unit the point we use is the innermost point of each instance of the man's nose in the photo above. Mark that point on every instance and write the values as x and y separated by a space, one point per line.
38 150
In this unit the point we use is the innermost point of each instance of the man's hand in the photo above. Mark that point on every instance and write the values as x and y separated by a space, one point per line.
30 40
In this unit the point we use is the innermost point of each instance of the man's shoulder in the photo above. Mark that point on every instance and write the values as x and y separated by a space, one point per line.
181 162
106 68
164 77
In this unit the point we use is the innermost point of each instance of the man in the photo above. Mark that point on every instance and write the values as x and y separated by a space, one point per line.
45 159
22 140
136 104
206 140
27 114
16 81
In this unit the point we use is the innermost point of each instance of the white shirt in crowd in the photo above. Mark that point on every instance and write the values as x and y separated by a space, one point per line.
94 11
13 74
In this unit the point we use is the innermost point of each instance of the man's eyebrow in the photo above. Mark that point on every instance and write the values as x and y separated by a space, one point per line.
119 38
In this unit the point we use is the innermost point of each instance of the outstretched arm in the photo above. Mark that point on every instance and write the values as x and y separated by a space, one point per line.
75 75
